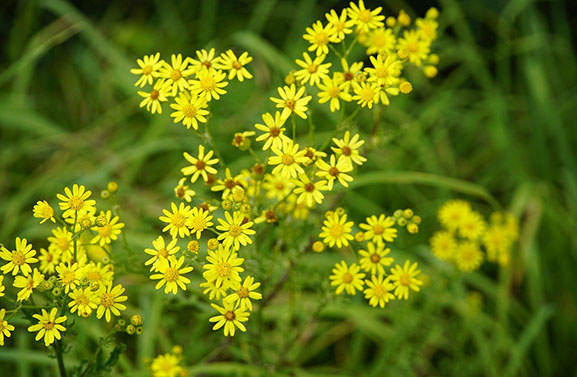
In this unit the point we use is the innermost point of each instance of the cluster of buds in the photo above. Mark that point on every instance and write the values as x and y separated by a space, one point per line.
133 327
407 218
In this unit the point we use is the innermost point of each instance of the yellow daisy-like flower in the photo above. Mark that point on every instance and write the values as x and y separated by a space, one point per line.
109 302
5 327
49 326
374 259
349 74
288 159
333 90
212 290
405 278
365 19
313 71
381 41
385 71
341 25
230 317
308 191
110 231
427 28
153 100
160 252
443 245
320 36
19 259
313 155
49 259
166 365
498 243
201 165
97 275
223 267
236 230
176 74
335 170
347 278
148 70
378 290
228 183
171 273
277 186
235 66
468 256
27 284
176 220
84 301
44 211
452 213
61 241
209 84
190 109
198 221
292 101
206 59
75 200
182 191
2 287
404 18
273 131
68 275
365 93
336 230
472 226
379 229
416 48
242 296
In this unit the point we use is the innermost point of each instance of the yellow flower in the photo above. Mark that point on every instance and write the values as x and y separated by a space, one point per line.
452 213
404 278
384 72
109 301
331 90
374 259
309 192
427 28
230 317
201 165
340 24
349 74
19 259
44 211
335 170
182 191
381 41
176 220
365 93
84 301
97 275
160 251
468 256
379 229
292 101
28 284
148 70
498 243
215 292
190 109
223 267
288 159
365 19
320 36
61 241
5 327
75 200
171 273
175 74
228 183
472 225
2 287
245 293
403 18
347 278
313 155
378 290
236 230
241 140
277 186
166 365
110 231
443 245
153 99
68 275
336 230
273 131
49 259
198 221
48 326
209 84
417 49
235 66
313 71
206 59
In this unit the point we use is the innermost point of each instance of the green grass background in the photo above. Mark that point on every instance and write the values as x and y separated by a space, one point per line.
497 124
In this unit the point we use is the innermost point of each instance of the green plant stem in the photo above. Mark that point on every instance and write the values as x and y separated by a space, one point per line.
294 126
60 359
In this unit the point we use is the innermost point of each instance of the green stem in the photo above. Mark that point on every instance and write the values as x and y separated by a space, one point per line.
294 126
60 358
75 238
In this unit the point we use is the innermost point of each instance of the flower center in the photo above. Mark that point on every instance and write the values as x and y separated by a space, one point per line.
334 92
180 191
236 65
333 171
229 316
365 16
309 187
30 284
189 111
68 277
312 68
107 300
18 258
347 278
337 230
49 325
287 159
381 72
290 104
94 276
175 75
412 47
48 258
82 300
379 291
198 223
321 38
162 252
349 76
367 94
76 203
274 131
347 151
206 63
242 292
105 231
375 258
147 70
63 243
235 230
178 220
223 269
207 83
154 94
171 274
279 186
47 212
200 165
405 279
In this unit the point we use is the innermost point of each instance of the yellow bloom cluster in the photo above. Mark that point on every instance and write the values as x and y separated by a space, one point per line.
369 273
191 83
168 364
465 232
73 274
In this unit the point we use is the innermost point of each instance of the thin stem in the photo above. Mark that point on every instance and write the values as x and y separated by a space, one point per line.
75 238
60 358
294 126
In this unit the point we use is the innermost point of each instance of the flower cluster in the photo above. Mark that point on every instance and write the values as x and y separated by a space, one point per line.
369 273
168 364
73 275
466 232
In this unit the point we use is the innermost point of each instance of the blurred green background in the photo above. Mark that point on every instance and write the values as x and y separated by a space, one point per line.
500 115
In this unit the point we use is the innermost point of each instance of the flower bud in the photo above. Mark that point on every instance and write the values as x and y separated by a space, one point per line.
212 244
318 246
101 220
104 194
130 329
139 330
112 186
136 320
193 246
359 236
